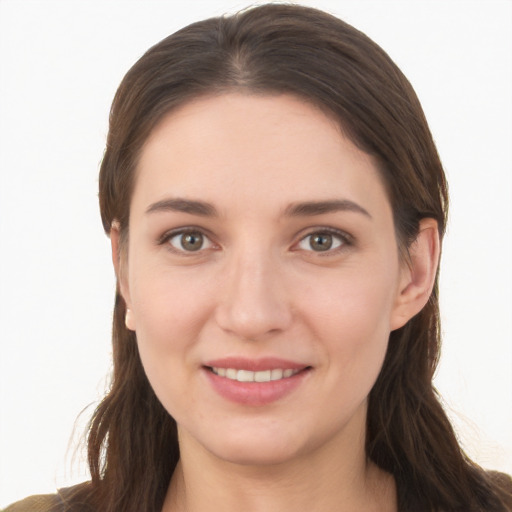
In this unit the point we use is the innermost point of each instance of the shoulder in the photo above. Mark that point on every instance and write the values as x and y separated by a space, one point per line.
69 499
503 483
38 503
501 479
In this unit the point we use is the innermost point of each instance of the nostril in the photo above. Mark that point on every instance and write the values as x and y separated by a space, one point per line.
252 319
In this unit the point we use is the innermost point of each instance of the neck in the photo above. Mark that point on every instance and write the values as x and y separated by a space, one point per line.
318 482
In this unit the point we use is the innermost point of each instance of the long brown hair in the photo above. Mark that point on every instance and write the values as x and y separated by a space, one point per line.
132 443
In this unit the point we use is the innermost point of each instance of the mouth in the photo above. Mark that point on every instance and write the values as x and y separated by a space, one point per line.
255 382
255 376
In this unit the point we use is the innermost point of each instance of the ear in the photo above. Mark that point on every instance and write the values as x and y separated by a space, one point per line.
418 274
119 261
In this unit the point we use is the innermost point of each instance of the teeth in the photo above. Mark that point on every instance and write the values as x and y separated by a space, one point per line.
248 376
276 374
262 376
245 376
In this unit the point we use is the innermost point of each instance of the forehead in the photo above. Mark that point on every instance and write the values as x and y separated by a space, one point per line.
252 149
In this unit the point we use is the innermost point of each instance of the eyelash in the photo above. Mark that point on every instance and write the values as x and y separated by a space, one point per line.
344 240
341 239
168 236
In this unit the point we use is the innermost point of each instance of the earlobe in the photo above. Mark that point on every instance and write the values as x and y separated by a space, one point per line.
129 320
114 242
119 267
418 274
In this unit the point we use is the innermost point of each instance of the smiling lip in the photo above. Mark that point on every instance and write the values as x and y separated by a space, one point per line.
254 381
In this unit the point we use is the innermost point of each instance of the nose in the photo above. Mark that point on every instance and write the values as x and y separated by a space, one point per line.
253 302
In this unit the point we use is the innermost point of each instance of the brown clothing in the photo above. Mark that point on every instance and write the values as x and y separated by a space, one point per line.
39 503
64 501
69 499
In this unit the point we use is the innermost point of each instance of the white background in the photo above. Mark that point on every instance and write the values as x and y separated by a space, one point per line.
60 65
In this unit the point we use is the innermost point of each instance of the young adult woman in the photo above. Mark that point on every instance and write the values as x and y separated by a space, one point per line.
276 207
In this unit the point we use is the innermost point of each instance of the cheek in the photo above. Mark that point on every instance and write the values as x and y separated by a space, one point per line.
352 301
170 310
351 315
168 320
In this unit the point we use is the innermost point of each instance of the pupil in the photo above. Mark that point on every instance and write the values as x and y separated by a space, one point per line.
192 241
321 242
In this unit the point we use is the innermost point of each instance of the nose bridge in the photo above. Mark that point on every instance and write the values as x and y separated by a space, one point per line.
253 302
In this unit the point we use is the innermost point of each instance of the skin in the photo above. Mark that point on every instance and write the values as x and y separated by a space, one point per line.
257 287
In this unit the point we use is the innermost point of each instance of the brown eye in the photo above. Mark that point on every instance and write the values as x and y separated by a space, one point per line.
321 241
190 241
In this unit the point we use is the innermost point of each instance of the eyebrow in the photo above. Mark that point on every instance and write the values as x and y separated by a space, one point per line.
311 208
185 206
302 209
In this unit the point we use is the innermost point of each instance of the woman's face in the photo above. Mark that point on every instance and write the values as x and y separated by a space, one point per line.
262 277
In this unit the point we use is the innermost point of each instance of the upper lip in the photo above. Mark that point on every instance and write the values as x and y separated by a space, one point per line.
255 365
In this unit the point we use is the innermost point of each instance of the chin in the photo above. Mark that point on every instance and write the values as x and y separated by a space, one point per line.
256 455
247 446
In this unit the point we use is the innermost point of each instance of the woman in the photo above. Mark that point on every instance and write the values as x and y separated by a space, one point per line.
276 206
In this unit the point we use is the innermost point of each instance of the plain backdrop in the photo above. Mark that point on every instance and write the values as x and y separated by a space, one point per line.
60 64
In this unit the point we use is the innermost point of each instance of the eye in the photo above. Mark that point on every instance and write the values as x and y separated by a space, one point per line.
189 241
322 241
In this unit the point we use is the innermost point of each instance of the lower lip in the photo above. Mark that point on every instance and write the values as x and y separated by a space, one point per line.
255 393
